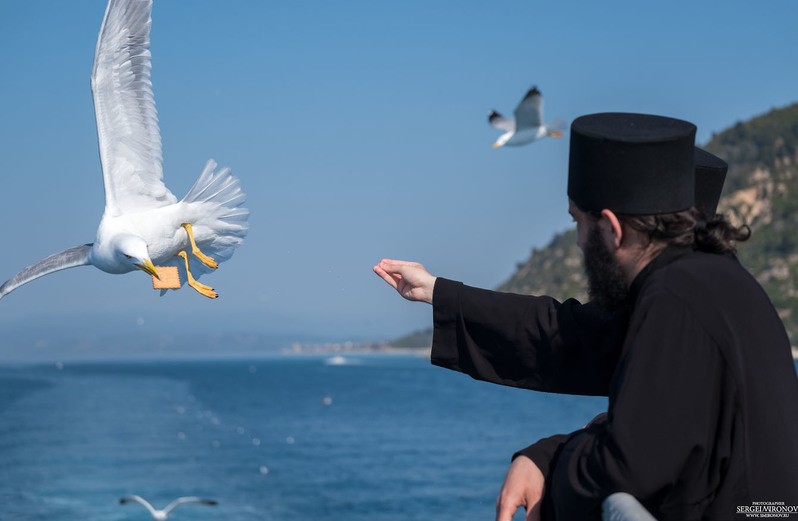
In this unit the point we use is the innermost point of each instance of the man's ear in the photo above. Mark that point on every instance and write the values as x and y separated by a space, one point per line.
613 226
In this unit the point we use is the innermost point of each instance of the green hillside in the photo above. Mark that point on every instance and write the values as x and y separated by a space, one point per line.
761 190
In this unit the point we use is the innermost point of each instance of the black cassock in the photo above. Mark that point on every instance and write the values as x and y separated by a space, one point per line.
703 393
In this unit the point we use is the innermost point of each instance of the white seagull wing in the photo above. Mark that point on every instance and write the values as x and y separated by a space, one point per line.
77 256
496 120
529 112
142 501
188 499
124 106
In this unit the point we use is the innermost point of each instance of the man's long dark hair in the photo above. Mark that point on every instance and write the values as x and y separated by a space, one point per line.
690 228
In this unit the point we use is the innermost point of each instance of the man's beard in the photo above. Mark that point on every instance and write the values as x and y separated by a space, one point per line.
606 284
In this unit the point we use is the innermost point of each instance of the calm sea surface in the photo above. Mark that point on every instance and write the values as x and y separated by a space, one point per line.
374 438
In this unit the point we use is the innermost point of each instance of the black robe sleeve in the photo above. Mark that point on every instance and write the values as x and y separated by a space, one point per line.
666 438
544 452
525 341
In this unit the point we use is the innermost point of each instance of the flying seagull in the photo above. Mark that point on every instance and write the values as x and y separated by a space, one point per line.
528 124
161 515
144 224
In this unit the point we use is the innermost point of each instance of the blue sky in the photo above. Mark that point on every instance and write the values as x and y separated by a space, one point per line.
358 129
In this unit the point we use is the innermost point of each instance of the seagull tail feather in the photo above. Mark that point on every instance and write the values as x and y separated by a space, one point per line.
219 194
220 187
556 127
71 258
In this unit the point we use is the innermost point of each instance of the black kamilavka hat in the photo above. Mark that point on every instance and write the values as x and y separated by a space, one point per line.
710 172
632 164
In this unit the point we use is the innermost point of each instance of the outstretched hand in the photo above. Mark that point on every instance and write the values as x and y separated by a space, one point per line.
410 279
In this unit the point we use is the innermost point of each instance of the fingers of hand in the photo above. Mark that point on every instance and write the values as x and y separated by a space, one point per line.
399 266
394 273
390 278
506 507
522 487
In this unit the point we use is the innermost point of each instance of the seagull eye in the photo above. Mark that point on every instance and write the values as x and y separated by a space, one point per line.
128 256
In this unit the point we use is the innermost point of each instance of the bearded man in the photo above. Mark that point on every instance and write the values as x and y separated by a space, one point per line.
702 420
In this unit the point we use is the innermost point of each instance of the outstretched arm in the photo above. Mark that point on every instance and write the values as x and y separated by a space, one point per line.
410 279
517 340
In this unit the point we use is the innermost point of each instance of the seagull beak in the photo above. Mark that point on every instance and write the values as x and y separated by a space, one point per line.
556 134
495 146
149 268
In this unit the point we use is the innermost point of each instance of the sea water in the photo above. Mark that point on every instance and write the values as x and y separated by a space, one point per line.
288 438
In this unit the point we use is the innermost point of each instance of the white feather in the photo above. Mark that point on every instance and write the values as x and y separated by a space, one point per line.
71 258
124 107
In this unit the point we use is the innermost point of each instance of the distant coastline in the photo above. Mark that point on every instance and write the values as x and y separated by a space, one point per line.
353 348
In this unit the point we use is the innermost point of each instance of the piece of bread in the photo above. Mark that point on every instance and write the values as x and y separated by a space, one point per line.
169 278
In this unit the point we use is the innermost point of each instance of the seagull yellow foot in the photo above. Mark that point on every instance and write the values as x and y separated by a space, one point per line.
208 261
200 287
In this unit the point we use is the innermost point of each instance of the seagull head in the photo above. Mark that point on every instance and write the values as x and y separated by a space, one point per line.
131 250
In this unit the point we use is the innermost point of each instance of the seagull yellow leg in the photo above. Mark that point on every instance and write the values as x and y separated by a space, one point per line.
208 261
200 287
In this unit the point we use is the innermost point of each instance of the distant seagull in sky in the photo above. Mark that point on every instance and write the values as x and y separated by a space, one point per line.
161 515
528 124
144 224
